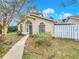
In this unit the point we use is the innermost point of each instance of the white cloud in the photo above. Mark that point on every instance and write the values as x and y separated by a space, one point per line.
48 11
67 15
64 15
77 0
60 17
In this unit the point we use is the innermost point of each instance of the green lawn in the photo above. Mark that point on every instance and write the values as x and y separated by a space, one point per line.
11 39
11 35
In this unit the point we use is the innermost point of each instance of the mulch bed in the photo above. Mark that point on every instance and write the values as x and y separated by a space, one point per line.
32 47
40 50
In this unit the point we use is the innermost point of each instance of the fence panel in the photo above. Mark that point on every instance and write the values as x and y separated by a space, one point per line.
67 31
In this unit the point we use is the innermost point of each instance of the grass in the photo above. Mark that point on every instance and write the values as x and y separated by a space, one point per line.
30 55
59 49
64 49
42 39
11 39
11 35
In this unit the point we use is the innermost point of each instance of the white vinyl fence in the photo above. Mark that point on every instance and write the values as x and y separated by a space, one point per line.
67 31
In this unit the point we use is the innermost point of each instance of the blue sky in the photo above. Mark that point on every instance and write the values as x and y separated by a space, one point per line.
71 7
58 11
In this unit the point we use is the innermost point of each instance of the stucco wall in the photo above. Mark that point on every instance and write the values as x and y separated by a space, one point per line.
49 25
73 20
19 27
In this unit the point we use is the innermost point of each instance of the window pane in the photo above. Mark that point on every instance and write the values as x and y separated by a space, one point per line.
42 27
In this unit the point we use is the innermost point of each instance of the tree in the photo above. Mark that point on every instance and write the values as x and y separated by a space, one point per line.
10 9
65 4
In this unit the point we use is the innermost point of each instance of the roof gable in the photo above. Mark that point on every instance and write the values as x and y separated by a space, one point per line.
43 18
36 16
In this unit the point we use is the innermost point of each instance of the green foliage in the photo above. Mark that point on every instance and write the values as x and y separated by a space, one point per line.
9 41
10 38
39 42
12 29
19 33
2 49
42 39
0 30
27 55
31 55
63 20
43 42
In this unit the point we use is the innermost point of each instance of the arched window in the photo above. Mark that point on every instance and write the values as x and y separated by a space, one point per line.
42 27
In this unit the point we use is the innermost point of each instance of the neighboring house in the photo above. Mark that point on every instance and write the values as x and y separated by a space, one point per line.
36 23
72 20
67 28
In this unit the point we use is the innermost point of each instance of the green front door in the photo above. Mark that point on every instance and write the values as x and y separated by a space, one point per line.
30 29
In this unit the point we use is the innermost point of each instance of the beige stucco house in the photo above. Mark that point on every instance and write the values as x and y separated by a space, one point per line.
72 20
36 23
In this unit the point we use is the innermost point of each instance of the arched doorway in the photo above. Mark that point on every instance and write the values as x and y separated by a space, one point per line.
41 27
29 27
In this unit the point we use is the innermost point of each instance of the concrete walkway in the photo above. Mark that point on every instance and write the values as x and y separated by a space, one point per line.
16 52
